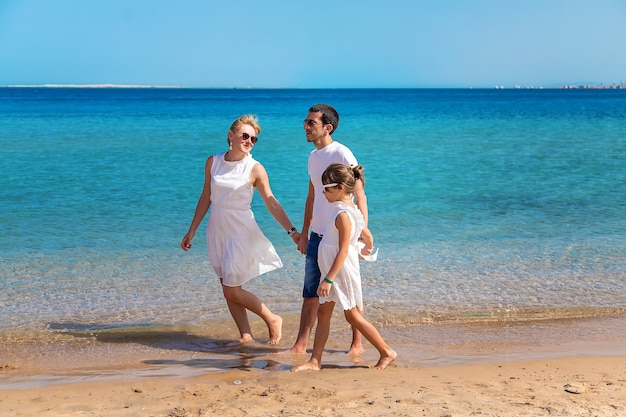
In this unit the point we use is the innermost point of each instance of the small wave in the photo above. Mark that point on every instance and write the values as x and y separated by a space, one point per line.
406 317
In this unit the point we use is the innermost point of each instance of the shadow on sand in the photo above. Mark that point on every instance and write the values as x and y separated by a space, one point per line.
228 354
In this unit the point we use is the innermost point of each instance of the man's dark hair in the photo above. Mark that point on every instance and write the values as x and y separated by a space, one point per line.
329 114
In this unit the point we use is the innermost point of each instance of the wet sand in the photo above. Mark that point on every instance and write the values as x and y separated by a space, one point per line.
564 368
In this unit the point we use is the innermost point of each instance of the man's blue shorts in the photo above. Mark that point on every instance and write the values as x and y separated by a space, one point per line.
312 272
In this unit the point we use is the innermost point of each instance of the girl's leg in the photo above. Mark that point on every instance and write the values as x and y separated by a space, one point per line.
246 300
356 347
387 355
324 315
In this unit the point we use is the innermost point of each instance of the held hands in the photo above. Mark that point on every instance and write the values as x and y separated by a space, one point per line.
296 237
302 243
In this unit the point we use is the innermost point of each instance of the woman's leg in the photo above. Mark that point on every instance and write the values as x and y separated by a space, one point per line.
387 355
246 300
240 315
324 315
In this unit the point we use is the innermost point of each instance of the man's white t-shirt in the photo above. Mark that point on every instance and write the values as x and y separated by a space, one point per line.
319 160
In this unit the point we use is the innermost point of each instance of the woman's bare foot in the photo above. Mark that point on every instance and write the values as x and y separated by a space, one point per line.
246 338
308 366
276 330
386 359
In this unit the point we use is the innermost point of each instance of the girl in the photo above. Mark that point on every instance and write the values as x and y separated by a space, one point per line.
339 263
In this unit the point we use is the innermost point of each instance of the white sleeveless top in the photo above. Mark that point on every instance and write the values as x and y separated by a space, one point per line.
346 290
238 249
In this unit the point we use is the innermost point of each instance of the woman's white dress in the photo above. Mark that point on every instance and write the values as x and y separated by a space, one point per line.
346 290
238 249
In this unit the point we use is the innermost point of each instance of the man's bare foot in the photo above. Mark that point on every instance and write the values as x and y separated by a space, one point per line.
276 330
386 360
295 350
308 366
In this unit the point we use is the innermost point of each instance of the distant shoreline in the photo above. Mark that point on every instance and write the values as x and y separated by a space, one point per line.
87 86
620 86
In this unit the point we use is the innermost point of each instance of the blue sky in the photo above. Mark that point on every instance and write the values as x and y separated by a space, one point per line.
326 43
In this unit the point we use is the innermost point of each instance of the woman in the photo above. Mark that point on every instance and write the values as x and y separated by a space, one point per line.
238 250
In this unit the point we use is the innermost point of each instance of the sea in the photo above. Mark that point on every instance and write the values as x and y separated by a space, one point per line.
488 206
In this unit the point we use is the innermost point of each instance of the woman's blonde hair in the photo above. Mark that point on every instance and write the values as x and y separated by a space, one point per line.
246 119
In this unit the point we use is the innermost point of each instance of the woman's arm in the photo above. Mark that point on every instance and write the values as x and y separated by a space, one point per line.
201 208
260 180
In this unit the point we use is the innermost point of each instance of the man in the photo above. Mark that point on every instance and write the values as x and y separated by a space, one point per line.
321 122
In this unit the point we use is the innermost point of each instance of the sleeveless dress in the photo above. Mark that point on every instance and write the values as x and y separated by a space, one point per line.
346 290
238 249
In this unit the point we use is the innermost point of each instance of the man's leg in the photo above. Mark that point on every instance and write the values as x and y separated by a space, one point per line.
308 315
310 303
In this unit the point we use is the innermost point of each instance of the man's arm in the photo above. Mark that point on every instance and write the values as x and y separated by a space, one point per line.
361 199
308 219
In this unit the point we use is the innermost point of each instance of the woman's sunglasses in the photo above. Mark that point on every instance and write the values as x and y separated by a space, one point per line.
246 136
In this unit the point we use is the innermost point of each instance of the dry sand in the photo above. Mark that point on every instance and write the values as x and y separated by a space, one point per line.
572 386
576 369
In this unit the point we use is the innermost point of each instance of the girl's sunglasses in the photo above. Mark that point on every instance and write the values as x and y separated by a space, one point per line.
326 186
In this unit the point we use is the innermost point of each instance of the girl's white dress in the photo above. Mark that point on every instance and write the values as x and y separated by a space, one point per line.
238 249
346 290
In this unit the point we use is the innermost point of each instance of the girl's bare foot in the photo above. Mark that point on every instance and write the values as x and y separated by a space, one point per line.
355 350
386 359
308 366
276 329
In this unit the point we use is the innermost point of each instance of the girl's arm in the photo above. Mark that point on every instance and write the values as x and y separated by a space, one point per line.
204 202
367 238
344 227
261 181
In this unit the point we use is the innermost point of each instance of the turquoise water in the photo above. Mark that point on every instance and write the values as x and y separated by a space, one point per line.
485 204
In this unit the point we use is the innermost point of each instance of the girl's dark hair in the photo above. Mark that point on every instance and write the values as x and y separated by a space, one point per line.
344 175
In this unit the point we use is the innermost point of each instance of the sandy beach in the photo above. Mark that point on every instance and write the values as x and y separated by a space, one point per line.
580 386
499 282
538 376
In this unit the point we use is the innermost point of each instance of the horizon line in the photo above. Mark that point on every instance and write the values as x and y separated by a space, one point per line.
148 86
